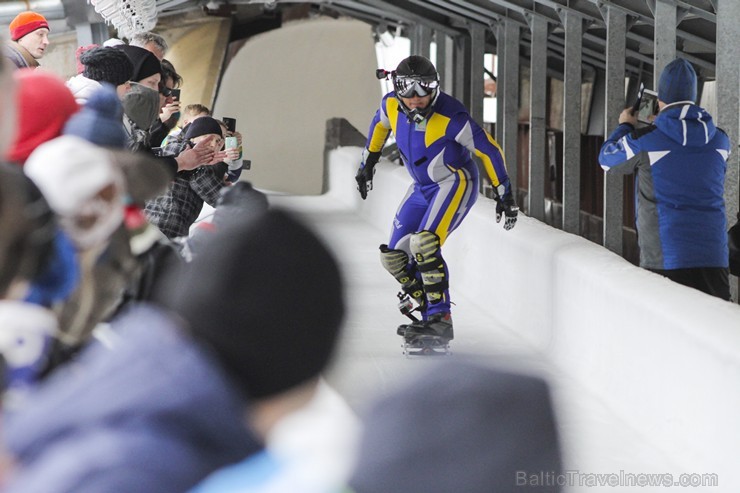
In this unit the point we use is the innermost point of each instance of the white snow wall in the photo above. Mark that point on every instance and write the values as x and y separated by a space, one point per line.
664 358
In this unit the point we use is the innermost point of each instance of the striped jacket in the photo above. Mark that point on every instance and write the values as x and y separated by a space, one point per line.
680 164
178 208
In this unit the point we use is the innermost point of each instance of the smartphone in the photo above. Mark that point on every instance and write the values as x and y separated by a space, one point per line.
231 143
648 107
230 123
175 93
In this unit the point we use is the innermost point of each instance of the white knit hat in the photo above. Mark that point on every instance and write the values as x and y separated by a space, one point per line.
69 171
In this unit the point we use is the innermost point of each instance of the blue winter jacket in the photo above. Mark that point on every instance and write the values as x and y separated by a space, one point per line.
680 163
156 414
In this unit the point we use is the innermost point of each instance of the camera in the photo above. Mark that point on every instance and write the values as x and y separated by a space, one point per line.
230 123
383 74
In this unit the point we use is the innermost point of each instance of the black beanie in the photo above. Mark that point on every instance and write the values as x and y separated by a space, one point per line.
107 65
203 125
267 296
144 62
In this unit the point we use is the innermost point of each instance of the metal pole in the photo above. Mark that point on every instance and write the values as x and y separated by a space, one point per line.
511 102
462 69
445 62
616 22
665 36
573 24
477 60
537 115
501 81
728 111
421 40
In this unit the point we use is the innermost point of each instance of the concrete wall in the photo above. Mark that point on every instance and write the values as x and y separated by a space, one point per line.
197 49
283 85
60 56
661 360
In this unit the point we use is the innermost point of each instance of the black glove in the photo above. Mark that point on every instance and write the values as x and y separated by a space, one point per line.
508 207
365 172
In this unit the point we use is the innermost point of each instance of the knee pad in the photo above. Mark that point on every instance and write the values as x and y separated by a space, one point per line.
425 247
397 263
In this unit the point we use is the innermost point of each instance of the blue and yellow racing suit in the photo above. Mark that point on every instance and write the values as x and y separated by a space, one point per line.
438 155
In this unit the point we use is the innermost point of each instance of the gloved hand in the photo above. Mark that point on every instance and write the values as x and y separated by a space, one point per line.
507 206
365 172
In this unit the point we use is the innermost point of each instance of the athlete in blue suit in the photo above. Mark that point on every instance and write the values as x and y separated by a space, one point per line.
436 137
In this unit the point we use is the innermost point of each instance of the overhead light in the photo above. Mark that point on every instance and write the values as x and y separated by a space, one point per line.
129 17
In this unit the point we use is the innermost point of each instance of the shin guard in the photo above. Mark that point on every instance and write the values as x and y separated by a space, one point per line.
397 263
425 247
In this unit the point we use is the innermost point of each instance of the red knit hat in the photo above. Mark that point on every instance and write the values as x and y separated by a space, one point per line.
44 105
26 22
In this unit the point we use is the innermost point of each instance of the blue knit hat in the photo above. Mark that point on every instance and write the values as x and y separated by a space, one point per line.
677 82
100 121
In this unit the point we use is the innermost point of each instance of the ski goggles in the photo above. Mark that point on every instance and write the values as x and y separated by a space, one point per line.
408 87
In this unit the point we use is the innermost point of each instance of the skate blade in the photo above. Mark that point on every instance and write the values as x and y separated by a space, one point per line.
426 346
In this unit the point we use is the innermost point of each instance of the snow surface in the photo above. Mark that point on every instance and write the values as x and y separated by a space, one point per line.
645 373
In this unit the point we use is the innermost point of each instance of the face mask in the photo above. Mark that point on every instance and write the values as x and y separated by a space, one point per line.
27 331
108 216
141 105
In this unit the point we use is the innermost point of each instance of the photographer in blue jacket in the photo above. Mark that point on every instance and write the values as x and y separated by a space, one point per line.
679 163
